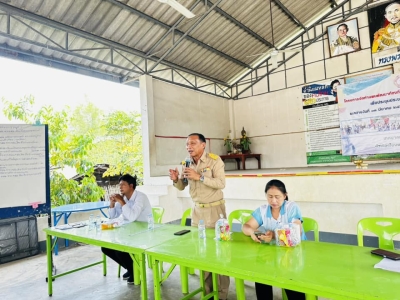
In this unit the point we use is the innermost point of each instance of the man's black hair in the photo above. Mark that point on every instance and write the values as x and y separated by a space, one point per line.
200 136
345 25
129 179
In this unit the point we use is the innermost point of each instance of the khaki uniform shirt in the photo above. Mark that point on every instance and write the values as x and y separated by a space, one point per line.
340 46
210 190
212 168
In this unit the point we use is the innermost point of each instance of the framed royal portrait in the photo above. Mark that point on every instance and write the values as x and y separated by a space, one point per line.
343 37
384 26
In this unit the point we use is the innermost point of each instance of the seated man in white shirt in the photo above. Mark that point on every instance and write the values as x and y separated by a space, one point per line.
132 206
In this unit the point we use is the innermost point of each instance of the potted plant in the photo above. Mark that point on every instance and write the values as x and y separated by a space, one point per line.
228 144
245 142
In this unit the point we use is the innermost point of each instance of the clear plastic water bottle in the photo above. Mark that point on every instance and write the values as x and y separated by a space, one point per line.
150 222
98 223
91 222
202 229
218 226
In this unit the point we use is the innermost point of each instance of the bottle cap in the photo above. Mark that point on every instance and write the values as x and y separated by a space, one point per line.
221 216
201 222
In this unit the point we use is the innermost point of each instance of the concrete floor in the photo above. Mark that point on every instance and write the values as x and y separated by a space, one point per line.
25 279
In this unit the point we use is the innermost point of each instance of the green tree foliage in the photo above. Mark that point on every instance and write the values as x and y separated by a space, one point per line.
65 150
87 119
117 139
80 140
121 145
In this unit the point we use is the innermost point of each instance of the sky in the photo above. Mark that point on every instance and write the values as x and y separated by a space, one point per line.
59 88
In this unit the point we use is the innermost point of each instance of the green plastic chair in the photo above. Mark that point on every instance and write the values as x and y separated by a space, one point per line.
385 228
158 213
187 213
309 224
241 215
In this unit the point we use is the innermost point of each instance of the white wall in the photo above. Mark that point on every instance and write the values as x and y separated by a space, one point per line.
169 114
272 115
271 111
337 202
277 119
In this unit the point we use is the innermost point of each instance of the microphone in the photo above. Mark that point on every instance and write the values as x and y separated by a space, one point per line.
187 164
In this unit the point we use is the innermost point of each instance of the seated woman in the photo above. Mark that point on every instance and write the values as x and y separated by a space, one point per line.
269 216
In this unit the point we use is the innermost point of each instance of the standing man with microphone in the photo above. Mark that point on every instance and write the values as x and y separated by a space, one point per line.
205 174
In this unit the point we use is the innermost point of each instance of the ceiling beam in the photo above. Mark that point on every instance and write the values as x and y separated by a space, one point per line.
345 16
288 13
150 52
241 25
188 37
30 57
194 26
171 30
92 37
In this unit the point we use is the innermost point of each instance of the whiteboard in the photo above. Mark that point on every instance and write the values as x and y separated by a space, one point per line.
24 170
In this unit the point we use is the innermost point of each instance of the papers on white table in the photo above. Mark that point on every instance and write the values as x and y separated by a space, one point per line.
70 226
389 265
63 226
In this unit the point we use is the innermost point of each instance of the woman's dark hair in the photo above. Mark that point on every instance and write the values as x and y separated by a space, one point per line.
279 185
129 179
200 136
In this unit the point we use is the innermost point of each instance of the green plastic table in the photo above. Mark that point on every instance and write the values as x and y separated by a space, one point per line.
118 239
324 269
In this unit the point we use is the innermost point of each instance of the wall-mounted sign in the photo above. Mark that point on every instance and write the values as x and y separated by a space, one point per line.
387 59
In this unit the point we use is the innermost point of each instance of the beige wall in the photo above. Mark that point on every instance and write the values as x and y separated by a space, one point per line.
170 112
337 202
274 118
277 118
272 115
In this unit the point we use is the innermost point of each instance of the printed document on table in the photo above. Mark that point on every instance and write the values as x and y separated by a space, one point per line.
64 227
389 265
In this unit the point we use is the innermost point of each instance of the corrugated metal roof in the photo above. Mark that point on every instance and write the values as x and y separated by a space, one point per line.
127 38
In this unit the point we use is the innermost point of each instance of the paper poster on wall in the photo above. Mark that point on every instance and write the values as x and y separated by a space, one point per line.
322 122
370 116
370 78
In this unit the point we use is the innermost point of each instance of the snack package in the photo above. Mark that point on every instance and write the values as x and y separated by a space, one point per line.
112 223
109 225
288 235
222 230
